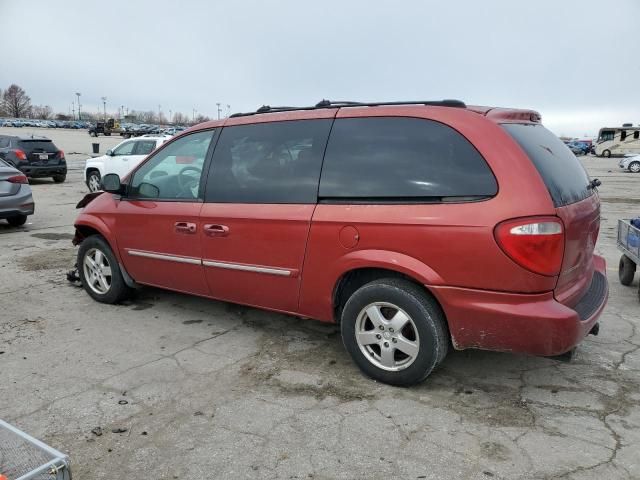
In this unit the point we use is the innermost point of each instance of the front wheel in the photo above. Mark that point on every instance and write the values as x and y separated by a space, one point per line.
634 167
93 181
59 178
100 272
626 270
606 153
394 331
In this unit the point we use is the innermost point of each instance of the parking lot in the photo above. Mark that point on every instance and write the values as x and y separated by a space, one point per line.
183 387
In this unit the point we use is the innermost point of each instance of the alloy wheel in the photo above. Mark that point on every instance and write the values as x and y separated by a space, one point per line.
97 271
387 336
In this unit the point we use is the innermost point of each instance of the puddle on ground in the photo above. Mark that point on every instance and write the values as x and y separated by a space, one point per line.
53 236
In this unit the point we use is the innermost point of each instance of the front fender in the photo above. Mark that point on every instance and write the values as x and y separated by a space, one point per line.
96 223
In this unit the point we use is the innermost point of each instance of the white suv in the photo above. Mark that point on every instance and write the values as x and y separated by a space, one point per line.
121 160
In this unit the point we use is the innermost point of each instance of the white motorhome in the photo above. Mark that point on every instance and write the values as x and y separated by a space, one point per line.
618 141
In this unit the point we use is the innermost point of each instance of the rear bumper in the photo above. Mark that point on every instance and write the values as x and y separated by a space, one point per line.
534 324
16 205
43 171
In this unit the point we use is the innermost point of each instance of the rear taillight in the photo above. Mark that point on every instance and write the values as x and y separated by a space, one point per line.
18 179
20 155
61 154
535 243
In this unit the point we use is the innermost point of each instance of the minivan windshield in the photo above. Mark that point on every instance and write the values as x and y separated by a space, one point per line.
563 174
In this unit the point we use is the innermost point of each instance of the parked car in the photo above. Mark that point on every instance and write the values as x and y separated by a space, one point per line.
34 156
630 163
413 226
578 148
121 159
16 201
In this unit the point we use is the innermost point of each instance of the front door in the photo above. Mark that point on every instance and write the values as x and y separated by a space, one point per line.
260 197
157 224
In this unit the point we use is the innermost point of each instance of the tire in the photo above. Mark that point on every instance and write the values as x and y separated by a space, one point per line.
94 181
17 221
105 284
626 270
606 153
634 167
424 335
59 178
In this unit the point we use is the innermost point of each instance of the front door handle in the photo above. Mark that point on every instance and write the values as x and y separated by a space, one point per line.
186 227
214 230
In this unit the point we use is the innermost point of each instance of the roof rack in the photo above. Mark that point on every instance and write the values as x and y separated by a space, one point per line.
343 103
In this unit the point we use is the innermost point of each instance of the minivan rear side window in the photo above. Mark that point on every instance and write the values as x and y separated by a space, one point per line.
274 162
563 174
396 159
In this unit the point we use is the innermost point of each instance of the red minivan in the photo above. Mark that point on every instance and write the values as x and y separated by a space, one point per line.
414 225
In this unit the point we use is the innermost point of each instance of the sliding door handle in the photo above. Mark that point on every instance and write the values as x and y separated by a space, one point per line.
186 227
214 230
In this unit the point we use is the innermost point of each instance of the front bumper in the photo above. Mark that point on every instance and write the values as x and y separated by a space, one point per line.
534 324
36 171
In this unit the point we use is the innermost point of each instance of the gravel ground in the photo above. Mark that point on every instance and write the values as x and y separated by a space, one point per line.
203 389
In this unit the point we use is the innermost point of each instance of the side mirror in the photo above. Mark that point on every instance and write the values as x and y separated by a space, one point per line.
111 183
109 153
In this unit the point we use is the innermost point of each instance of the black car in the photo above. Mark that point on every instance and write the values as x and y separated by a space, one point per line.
34 156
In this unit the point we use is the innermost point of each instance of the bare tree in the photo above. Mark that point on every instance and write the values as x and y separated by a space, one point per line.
179 118
15 102
42 112
201 118
63 116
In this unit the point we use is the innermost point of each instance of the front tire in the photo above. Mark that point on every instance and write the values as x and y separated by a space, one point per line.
626 270
394 331
100 272
634 167
606 153
59 178
17 221
94 181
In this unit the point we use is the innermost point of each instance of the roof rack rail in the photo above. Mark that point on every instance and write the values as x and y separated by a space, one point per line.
343 103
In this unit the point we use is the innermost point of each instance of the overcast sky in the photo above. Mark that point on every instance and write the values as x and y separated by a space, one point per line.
575 61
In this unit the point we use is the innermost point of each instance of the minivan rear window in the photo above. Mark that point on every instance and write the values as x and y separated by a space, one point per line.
563 174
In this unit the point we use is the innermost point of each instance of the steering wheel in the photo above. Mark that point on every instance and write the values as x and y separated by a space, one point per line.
186 182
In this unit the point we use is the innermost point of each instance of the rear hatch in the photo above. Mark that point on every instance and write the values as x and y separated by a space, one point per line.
575 202
40 151
8 188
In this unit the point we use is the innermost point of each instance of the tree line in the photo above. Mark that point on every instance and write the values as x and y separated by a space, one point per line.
15 103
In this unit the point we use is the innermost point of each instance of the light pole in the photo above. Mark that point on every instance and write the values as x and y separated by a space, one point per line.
228 110
79 115
218 104
194 116
170 117
159 114
104 104
121 112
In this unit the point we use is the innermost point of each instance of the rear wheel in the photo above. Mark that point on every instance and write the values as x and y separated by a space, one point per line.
17 221
59 178
634 167
606 153
626 270
93 181
395 332
100 272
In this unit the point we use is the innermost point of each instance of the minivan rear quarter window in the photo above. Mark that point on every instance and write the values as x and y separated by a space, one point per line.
563 174
396 159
